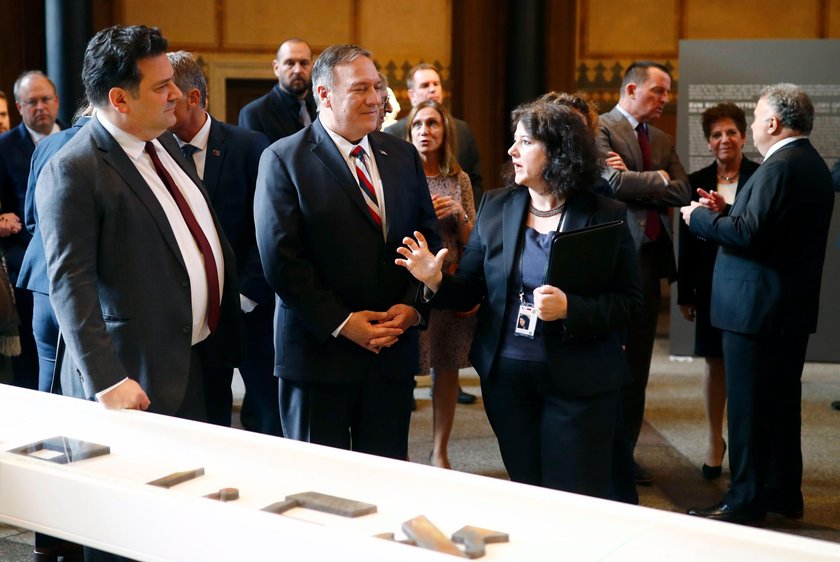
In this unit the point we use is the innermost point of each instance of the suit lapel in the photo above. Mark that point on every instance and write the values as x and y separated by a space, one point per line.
577 213
214 157
628 136
325 150
390 177
116 158
513 213
25 143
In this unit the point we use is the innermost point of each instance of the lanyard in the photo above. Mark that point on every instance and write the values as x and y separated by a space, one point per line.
521 248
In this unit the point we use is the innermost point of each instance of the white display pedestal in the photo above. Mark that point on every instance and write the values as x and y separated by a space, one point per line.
104 502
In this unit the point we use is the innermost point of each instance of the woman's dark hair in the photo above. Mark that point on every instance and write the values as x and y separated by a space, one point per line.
725 110
573 165
111 59
448 163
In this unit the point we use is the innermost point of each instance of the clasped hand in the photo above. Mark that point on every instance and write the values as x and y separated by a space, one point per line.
420 262
375 330
9 224
445 205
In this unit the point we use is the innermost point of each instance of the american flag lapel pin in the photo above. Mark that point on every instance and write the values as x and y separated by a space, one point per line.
217 152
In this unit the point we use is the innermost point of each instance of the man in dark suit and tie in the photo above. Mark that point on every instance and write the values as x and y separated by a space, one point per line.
765 298
227 157
37 100
289 106
645 173
333 203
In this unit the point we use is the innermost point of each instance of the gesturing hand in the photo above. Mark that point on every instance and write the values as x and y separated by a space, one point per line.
550 303
687 210
370 330
420 262
711 200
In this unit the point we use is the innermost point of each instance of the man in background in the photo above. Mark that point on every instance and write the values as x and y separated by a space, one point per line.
5 125
424 83
765 300
37 101
226 158
644 171
289 106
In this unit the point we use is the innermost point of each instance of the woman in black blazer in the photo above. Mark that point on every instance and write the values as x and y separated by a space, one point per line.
725 129
552 396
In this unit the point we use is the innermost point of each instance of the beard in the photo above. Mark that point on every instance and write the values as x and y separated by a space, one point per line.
297 85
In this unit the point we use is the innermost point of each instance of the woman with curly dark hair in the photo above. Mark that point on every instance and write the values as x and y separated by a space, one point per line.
550 384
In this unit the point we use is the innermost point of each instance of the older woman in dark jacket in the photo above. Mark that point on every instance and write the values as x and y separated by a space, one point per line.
725 129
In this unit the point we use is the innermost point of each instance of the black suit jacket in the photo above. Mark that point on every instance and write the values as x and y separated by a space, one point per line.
118 283
276 114
230 177
16 148
584 350
325 257
772 245
696 256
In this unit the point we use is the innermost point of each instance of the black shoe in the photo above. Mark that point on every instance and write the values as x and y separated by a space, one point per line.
466 397
786 510
835 405
713 472
725 512
643 477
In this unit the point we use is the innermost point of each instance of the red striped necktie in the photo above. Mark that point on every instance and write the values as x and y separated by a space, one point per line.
365 183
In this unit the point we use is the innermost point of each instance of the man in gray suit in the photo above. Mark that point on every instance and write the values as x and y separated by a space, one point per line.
142 280
645 173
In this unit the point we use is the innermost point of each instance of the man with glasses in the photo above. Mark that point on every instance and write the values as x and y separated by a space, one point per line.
37 101
4 113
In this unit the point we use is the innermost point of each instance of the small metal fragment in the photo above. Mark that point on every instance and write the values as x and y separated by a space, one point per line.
281 507
390 537
323 502
176 478
224 495
427 536
474 539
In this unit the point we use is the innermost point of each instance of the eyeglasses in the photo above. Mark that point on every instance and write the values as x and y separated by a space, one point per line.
46 100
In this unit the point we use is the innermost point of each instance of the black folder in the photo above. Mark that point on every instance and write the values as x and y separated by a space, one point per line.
582 262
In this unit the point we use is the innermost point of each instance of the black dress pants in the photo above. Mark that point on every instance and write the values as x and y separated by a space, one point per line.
549 439
764 386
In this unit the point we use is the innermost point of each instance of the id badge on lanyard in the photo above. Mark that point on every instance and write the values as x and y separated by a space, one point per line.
526 319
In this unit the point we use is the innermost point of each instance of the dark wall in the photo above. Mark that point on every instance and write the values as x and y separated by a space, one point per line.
24 45
23 29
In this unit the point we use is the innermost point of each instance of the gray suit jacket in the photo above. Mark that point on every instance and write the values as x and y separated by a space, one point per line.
642 190
118 282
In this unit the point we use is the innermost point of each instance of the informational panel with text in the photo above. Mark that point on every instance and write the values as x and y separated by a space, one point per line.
736 71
